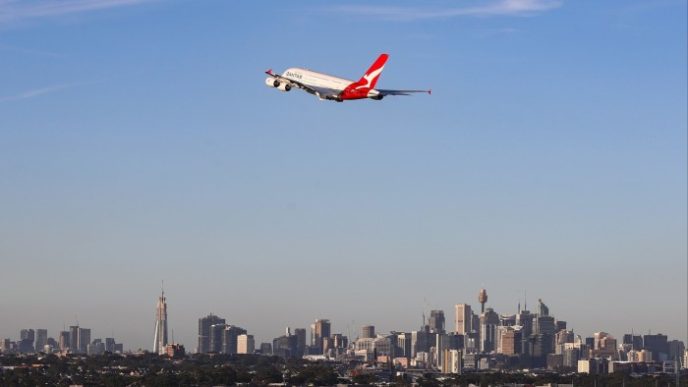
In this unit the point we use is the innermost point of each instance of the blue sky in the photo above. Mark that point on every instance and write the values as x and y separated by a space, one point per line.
139 143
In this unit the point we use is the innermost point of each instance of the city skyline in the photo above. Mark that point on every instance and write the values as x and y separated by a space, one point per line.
139 143
526 341
350 331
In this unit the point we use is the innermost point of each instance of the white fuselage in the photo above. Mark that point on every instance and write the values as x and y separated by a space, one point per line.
312 78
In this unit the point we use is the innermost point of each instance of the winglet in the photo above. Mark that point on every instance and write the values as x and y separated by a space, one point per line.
430 91
269 72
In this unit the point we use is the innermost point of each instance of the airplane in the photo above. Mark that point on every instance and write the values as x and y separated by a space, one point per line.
327 87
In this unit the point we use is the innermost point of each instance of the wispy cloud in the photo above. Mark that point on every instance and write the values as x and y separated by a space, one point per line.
494 8
38 92
19 10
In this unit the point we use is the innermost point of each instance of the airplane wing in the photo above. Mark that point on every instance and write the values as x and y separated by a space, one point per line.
402 92
320 92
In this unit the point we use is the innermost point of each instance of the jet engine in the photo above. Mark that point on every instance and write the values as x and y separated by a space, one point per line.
278 83
374 94
284 86
272 82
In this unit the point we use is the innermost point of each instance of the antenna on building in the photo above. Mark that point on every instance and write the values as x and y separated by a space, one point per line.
525 299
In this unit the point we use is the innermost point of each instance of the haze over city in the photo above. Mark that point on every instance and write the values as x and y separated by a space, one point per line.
138 143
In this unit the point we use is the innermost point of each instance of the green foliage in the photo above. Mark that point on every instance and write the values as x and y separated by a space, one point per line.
205 370
364 379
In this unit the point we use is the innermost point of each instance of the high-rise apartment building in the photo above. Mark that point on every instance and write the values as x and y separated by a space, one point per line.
463 319
230 339
216 337
245 344
284 346
204 324
160 337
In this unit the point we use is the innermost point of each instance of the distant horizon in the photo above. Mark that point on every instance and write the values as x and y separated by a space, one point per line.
449 328
140 143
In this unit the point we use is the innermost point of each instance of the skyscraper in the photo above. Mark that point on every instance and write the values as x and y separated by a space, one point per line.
64 340
544 324
463 319
160 339
635 341
300 334
204 324
489 321
230 339
27 337
245 344
319 329
368 331
216 337
658 344
436 321
509 342
83 339
41 339
285 346
110 344
524 319
73 338
543 310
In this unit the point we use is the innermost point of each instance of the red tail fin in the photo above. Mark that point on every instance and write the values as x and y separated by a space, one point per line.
370 77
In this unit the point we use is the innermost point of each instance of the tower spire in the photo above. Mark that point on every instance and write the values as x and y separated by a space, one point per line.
160 339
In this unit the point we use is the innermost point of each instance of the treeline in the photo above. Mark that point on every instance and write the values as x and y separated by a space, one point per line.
217 370
153 370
